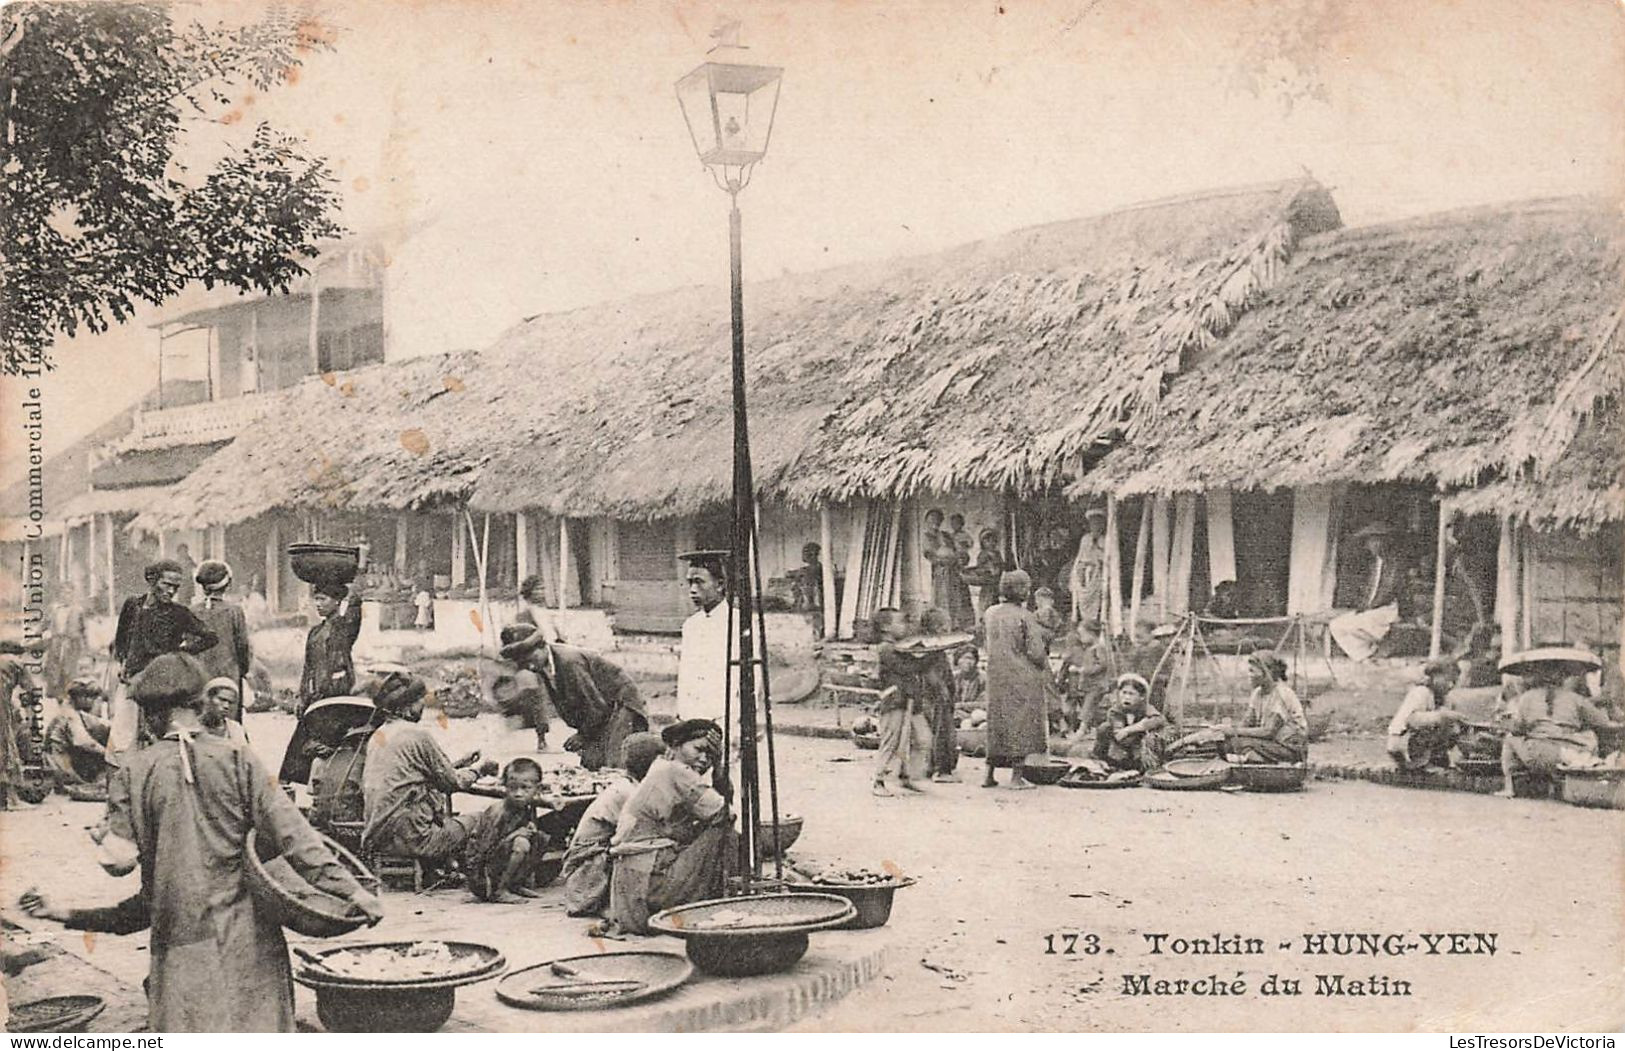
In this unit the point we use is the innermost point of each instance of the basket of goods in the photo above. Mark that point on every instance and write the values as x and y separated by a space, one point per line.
1044 769
281 892
324 563
1270 777
1190 775
56 1014
594 981
394 987
1596 786
866 733
763 934
871 893
775 844
1092 773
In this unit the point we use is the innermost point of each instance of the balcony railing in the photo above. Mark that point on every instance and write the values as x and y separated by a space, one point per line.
205 421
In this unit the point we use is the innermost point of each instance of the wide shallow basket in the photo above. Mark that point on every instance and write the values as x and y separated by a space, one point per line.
324 563
329 719
57 1014
1121 779
1270 777
873 901
1602 787
595 981
1048 772
295 904
774 939
1479 767
868 742
1168 782
1196 767
473 962
790 826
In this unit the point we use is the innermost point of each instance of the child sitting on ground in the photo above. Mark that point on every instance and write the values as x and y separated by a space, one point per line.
504 845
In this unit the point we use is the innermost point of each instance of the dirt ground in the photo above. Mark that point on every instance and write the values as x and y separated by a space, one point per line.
1001 870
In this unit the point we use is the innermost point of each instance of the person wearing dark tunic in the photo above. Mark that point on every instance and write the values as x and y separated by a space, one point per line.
76 740
1130 737
1084 676
231 656
905 734
587 863
594 696
329 668
949 592
148 626
182 809
984 573
407 782
970 689
673 832
1018 681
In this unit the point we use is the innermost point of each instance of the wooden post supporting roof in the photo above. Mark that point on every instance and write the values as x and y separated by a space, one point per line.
1142 545
564 563
1160 544
1506 589
521 546
1111 594
1440 568
402 530
854 569
459 553
827 562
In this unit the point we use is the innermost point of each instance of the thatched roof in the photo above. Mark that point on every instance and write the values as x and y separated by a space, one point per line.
995 363
1423 350
1582 490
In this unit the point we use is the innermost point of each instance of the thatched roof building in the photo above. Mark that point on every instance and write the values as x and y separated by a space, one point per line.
1582 490
999 363
1424 350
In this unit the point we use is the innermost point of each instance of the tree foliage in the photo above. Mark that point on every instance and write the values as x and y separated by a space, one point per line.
100 212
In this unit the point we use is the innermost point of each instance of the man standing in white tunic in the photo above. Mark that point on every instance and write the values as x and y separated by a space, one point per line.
702 661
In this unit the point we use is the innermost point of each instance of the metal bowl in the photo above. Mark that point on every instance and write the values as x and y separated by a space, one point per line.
790 826
873 901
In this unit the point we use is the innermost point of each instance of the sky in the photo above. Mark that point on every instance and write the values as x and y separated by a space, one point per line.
537 152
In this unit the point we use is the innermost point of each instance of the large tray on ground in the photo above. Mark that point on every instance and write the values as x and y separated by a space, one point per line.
643 975
1135 779
56 1014
479 962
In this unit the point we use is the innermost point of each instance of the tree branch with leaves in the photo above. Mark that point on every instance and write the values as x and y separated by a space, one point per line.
100 212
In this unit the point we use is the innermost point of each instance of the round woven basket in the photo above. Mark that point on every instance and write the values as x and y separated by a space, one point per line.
314 914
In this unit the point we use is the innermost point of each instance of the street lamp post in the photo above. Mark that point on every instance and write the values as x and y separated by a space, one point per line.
729 105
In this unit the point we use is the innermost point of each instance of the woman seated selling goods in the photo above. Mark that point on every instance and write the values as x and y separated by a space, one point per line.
1276 730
